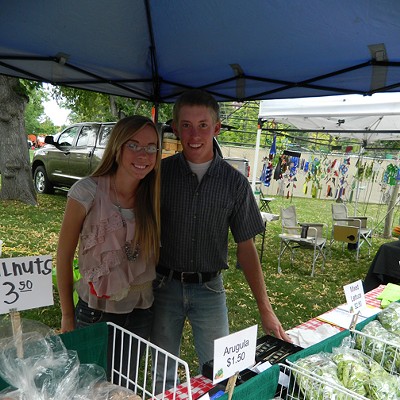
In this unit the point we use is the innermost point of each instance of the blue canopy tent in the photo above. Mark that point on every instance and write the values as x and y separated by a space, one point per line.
237 50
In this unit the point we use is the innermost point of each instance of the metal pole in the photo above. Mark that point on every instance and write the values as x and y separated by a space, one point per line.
360 159
255 163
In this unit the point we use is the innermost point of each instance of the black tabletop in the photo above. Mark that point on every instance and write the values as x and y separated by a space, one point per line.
385 267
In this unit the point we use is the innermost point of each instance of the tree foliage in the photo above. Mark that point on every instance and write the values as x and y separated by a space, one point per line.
34 110
93 106
241 119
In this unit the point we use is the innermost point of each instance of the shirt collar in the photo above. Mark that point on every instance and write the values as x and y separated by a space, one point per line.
213 170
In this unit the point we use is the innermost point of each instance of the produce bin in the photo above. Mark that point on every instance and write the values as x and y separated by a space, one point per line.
93 342
299 383
318 387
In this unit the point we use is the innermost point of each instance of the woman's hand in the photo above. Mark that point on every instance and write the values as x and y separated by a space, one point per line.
67 323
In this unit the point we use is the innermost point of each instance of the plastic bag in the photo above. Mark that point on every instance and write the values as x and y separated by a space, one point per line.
36 363
363 375
320 364
385 350
390 318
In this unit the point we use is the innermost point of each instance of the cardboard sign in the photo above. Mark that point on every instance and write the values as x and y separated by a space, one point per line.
25 283
234 353
355 297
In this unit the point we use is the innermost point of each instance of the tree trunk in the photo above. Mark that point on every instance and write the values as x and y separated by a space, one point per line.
15 166
113 106
387 232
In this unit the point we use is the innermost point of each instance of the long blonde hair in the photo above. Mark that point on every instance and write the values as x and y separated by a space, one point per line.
147 204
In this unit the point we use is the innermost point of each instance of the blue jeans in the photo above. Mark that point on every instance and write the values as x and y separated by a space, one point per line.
203 304
138 321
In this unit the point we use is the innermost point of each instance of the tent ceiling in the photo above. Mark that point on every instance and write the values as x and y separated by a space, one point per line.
369 119
237 50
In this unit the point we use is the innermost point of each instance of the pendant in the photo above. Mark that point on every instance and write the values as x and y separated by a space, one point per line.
131 255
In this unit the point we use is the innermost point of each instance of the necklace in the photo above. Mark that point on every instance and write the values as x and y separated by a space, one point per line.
131 254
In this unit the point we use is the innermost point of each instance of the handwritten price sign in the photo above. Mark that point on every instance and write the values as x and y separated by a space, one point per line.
234 353
355 297
25 283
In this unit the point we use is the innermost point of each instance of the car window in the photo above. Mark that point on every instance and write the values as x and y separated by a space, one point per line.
105 134
67 137
87 137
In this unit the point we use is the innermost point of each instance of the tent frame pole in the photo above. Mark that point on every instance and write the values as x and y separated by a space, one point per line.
257 150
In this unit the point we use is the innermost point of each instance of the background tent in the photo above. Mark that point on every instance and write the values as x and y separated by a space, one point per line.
237 50
366 118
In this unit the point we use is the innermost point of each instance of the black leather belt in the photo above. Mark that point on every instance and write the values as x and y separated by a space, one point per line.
187 277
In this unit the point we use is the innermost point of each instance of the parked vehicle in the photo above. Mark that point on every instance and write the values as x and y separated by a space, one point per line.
76 151
241 164
70 155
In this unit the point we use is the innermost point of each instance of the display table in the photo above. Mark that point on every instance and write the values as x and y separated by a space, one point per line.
200 385
91 345
331 342
261 384
385 267
370 299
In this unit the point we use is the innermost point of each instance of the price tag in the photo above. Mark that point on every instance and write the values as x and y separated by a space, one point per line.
234 353
25 283
355 297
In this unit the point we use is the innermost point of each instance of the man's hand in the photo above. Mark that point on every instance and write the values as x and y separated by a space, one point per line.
272 326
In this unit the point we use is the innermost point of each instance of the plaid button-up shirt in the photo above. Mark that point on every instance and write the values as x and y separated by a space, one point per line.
196 217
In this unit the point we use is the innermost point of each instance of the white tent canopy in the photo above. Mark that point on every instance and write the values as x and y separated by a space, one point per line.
367 118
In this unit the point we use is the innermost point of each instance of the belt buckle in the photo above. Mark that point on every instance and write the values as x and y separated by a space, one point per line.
183 280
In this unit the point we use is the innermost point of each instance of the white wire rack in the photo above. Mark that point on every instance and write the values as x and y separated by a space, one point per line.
136 361
386 353
298 383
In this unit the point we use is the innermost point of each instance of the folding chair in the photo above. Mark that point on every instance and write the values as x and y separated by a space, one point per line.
342 230
265 203
301 235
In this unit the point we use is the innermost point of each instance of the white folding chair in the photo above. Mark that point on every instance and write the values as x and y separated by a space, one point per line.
343 228
292 237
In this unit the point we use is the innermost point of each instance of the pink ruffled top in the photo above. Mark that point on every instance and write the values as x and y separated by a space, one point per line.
110 282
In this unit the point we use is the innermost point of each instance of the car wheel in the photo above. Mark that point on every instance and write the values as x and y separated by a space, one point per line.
41 182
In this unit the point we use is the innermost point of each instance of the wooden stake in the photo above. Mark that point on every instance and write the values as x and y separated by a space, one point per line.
17 331
230 386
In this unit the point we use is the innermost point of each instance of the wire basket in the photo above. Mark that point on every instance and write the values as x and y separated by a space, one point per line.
384 352
298 383
133 365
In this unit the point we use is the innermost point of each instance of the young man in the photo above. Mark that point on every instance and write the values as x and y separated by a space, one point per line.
202 197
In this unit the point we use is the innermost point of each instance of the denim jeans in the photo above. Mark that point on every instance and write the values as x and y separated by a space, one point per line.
203 304
138 321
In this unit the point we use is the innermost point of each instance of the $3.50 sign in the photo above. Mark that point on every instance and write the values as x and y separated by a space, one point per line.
25 283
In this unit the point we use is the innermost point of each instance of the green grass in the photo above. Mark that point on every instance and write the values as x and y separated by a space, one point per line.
296 297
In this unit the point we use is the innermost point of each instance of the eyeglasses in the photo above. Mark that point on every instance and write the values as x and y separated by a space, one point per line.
150 149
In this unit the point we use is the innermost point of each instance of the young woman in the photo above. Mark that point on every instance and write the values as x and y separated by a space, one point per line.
114 217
